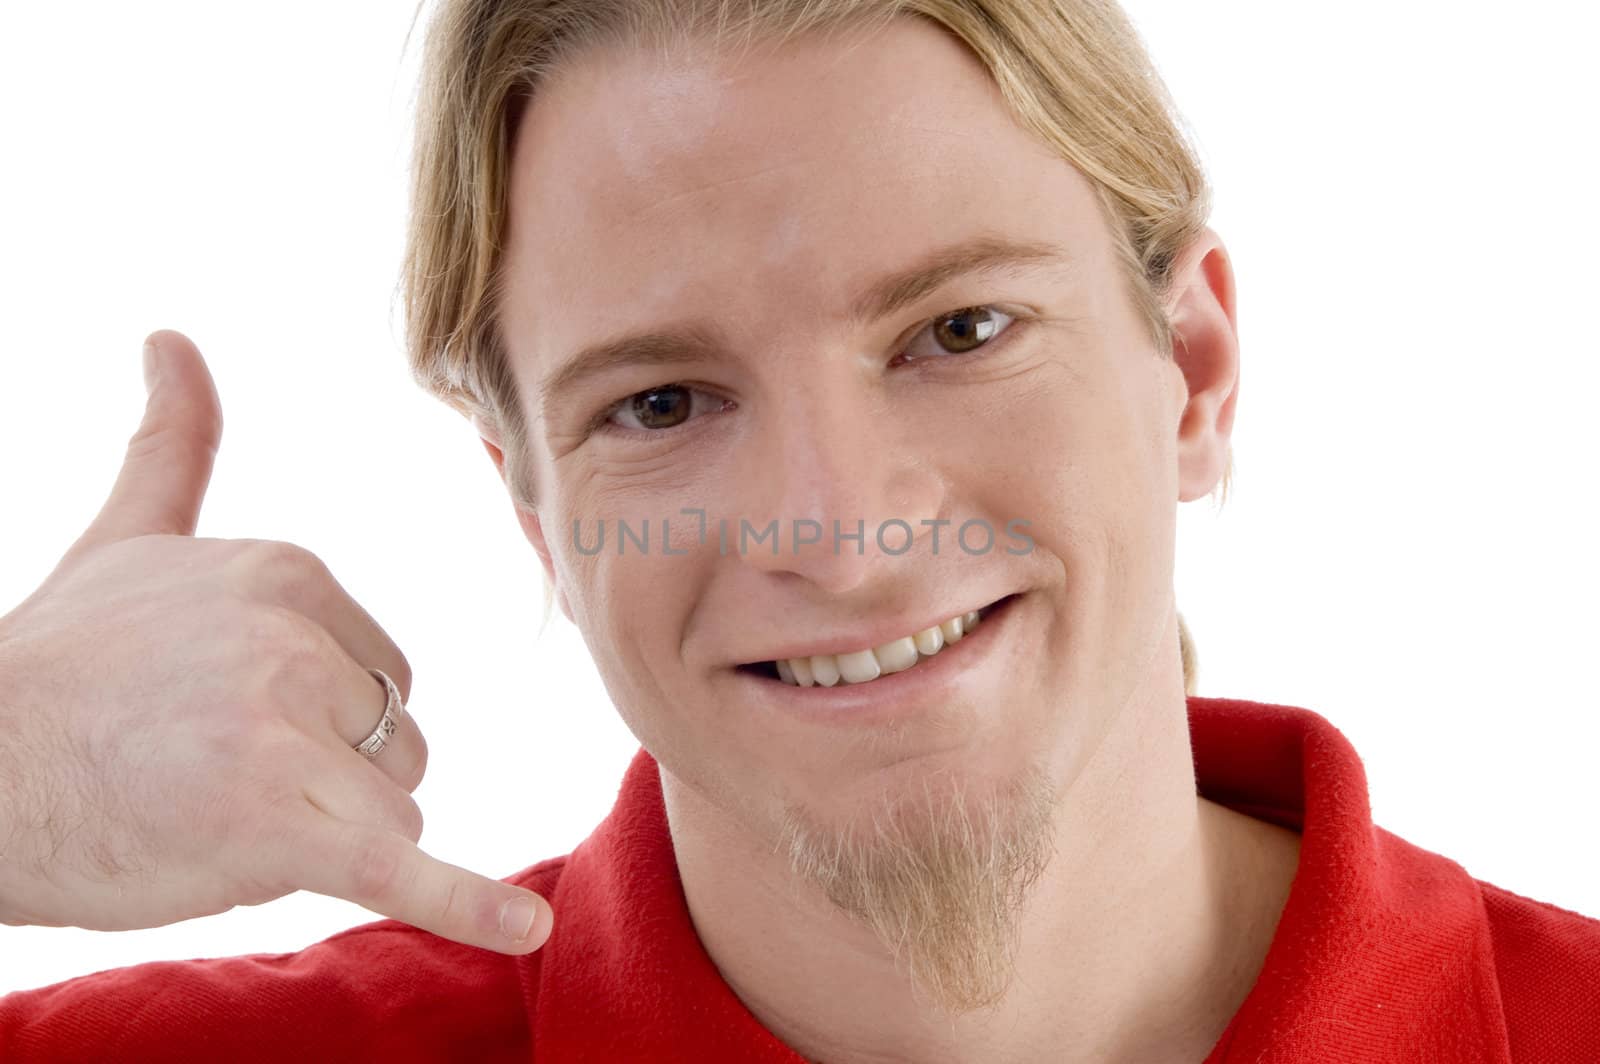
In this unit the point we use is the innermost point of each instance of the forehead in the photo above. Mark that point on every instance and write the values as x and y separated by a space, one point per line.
764 189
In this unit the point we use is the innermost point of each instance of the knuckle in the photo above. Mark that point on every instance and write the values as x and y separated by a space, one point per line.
281 572
417 822
375 867
395 663
411 779
456 907
299 642
269 631
410 818
285 659
159 438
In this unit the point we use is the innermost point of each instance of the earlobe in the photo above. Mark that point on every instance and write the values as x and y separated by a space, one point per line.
1205 347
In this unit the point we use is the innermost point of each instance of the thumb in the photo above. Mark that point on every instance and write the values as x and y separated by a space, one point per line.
168 465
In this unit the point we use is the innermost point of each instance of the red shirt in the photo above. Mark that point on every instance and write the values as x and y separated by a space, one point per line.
1385 952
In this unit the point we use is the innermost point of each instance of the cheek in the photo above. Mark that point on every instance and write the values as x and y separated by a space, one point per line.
1080 458
630 593
674 488
629 603
1057 436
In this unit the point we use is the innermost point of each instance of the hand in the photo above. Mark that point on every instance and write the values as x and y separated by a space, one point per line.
178 717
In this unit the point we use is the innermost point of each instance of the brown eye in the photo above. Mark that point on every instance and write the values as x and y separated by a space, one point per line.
960 332
661 408
965 329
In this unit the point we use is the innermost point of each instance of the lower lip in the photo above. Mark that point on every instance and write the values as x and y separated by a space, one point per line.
925 684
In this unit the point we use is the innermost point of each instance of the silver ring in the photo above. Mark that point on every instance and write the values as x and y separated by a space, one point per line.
393 710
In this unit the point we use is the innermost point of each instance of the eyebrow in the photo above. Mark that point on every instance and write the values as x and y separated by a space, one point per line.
690 343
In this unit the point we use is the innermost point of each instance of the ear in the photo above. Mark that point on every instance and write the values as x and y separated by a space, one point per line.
531 528
1205 347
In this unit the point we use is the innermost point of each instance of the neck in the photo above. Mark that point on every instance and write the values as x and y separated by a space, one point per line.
1137 941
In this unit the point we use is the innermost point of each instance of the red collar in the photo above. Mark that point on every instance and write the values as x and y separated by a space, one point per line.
1383 952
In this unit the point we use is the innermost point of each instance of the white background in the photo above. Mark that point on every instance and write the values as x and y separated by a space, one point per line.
1407 190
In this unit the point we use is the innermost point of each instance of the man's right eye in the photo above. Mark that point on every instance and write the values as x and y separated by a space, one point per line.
661 408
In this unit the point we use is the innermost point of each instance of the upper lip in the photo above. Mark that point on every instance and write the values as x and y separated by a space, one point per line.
865 635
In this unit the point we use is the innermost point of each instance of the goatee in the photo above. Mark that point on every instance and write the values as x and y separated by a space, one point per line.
940 876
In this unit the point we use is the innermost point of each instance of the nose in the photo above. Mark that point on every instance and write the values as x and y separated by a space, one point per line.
846 481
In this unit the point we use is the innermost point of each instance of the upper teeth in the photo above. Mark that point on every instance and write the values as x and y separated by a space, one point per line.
859 666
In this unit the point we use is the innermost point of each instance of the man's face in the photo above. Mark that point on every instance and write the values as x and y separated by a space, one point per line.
763 204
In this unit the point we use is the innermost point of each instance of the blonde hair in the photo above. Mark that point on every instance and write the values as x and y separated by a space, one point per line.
1073 71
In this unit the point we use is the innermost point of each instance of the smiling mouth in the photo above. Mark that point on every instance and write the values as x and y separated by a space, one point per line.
868 664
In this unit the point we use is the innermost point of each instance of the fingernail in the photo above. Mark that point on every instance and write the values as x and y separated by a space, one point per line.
517 916
152 368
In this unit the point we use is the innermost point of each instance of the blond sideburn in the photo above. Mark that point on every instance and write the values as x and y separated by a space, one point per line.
1074 72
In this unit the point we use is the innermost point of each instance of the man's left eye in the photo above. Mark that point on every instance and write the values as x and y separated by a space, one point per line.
960 332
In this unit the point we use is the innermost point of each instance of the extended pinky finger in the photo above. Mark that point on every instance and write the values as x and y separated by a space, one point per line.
391 876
